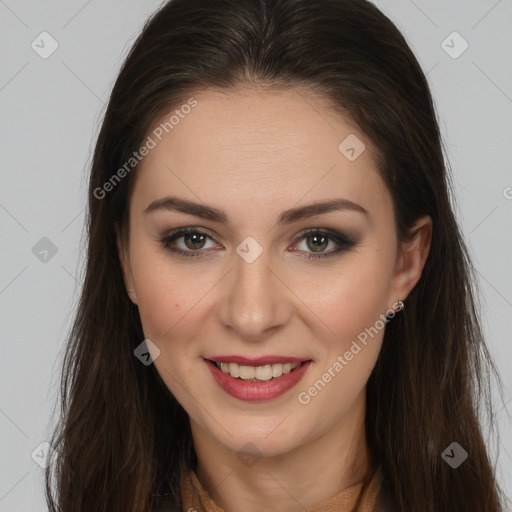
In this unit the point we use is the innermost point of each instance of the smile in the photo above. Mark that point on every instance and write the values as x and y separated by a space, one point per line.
256 383
257 373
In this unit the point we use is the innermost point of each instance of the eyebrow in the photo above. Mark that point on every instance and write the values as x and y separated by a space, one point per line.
172 203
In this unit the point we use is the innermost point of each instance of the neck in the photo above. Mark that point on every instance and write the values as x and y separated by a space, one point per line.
301 478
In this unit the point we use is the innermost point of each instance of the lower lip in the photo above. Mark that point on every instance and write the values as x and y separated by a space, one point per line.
257 391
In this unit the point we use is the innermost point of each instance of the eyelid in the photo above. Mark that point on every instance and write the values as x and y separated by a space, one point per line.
178 233
343 241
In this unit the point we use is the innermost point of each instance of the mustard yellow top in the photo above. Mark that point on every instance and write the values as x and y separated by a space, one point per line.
361 497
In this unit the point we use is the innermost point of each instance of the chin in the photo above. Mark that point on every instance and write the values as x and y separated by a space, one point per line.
262 436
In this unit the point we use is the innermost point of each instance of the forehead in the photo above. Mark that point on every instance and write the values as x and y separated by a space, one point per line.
258 145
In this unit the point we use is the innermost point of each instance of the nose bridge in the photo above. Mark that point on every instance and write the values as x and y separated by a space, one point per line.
255 300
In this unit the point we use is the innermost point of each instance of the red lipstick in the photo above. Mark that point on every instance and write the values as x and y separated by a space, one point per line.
254 391
258 361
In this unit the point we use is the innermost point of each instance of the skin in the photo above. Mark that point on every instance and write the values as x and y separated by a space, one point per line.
254 154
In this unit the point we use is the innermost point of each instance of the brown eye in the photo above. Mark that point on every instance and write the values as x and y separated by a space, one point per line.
194 240
318 242
188 242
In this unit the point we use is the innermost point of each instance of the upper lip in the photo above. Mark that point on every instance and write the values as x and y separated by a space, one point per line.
258 361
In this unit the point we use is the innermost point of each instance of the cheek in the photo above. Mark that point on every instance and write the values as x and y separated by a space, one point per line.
165 306
352 307
164 294
169 305
355 298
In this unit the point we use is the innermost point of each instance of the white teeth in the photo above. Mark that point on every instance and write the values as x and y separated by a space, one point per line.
246 372
262 373
277 370
234 370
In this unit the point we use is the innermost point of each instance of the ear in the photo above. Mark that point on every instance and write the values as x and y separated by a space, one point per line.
411 259
125 264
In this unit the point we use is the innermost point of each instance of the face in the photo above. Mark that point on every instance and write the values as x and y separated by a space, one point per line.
240 267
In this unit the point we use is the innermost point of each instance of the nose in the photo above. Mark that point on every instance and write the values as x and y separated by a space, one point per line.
255 300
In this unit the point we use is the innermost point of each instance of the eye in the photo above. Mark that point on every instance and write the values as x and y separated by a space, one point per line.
193 241
318 240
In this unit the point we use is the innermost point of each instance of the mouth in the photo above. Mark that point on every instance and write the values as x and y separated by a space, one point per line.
261 373
257 380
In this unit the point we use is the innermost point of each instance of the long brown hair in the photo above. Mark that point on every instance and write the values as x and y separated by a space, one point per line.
122 437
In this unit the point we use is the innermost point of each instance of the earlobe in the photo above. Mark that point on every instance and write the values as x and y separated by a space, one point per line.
413 255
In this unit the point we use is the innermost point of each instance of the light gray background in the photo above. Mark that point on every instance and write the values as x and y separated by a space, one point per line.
50 113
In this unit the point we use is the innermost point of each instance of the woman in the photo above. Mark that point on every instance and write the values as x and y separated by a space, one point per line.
277 312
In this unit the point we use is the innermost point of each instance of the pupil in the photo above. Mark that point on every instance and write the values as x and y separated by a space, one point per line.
195 239
319 241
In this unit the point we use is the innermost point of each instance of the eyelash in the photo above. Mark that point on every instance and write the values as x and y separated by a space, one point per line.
343 241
